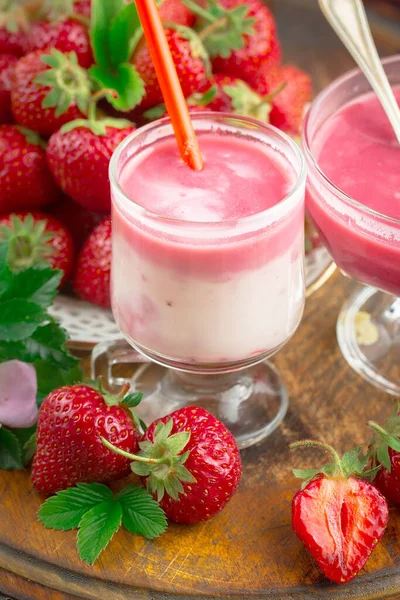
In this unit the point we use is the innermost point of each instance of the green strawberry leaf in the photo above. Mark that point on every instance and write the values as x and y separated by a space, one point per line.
50 377
47 343
102 14
5 272
97 528
37 284
29 448
65 510
125 80
132 400
10 450
141 514
121 34
19 318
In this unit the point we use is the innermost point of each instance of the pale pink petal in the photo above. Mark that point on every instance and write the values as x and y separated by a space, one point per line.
18 389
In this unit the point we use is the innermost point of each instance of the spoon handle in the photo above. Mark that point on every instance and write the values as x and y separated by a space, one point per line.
349 20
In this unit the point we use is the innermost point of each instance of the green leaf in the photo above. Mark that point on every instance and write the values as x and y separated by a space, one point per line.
139 468
50 377
19 318
47 343
384 457
177 442
65 510
125 80
305 473
97 528
132 400
37 284
5 273
141 513
121 34
352 462
10 451
102 14
26 437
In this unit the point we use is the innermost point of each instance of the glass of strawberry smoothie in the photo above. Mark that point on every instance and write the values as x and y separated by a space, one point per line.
208 268
353 197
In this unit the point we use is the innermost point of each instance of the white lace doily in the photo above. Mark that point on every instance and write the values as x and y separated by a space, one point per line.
84 322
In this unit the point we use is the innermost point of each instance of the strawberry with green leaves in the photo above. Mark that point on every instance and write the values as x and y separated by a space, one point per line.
235 96
7 67
62 28
190 61
49 89
25 180
190 462
14 24
79 154
93 267
240 37
339 516
72 421
288 107
36 239
384 451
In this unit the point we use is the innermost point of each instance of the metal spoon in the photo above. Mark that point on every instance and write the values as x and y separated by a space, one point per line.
349 20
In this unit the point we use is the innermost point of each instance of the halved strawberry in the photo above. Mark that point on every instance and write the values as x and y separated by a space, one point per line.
337 515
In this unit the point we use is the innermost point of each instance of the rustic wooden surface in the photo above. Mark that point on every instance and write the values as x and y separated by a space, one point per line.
249 550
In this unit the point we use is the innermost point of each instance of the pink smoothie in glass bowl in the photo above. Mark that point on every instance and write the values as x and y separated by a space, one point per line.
208 266
353 189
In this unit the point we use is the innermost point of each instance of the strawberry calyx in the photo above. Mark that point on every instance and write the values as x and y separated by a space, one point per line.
69 82
384 438
97 125
15 18
28 242
58 10
352 464
32 137
221 29
161 461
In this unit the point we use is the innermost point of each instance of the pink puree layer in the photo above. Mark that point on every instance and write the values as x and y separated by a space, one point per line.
357 150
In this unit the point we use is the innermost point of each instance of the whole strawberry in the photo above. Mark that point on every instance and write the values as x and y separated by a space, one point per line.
36 238
189 58
289 105
339 517
25 180
194 467
92 273
79 221
14 23
246 40
79 154
67 35
7 66
72 420
384 451
235 96
49 89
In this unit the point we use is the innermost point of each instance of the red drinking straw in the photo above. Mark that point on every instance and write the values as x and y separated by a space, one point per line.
169 83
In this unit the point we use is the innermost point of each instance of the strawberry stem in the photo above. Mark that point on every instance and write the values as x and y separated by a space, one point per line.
103 93
312 443
212 28
135 457
198 10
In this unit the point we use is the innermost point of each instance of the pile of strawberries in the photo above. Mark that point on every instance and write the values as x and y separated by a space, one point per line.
76 78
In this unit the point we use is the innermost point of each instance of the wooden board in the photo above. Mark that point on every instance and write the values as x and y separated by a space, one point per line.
249 550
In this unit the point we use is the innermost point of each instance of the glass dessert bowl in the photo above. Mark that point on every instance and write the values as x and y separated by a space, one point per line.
353 198
208 269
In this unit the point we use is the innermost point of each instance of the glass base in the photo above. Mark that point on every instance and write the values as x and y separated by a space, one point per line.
251 402
368 331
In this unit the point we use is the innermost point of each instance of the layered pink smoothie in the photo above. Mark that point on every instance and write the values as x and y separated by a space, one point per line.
357 150
215 273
